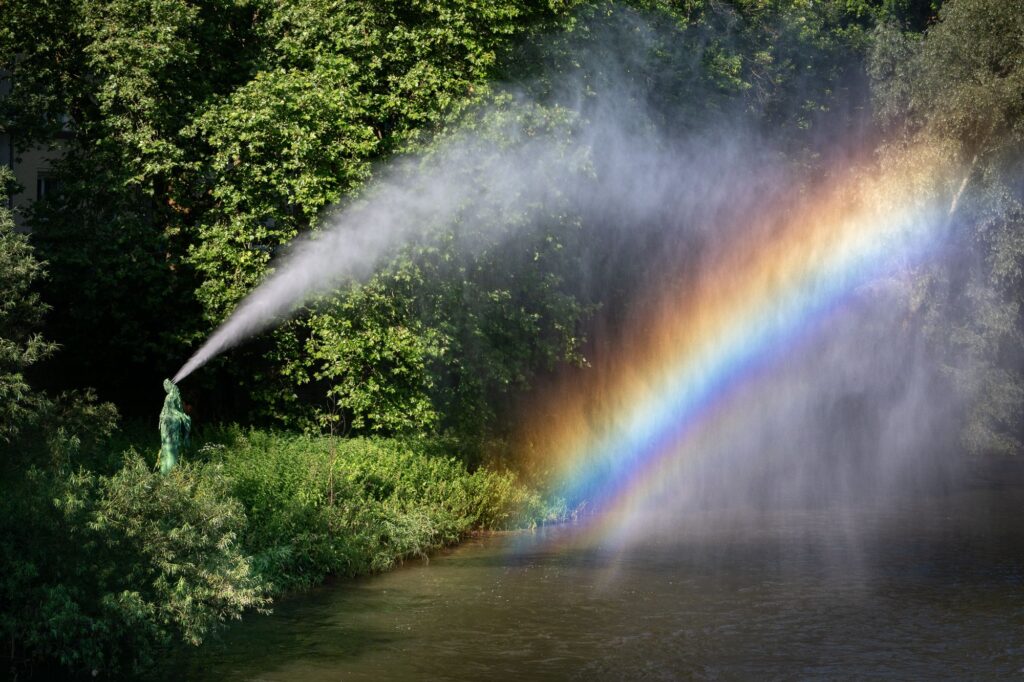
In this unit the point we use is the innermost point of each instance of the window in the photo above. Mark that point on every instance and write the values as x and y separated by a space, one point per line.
46 184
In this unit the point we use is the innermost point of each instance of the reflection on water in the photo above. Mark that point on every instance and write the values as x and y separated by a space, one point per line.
925 589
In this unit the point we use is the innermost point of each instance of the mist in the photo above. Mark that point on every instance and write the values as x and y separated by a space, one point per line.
608 156
845 408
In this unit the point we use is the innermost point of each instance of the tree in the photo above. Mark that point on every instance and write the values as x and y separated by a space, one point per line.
21 312
207 135
123 78
339 86
98 572
960 89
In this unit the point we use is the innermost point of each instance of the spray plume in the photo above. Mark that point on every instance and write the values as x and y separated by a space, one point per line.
712 402
353 243
715 261
605 157
596 166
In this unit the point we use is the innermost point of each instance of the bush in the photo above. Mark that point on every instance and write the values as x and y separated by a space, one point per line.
102 570
98 572
320 506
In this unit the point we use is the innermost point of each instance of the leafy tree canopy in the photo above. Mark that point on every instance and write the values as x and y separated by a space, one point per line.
959 88
208 134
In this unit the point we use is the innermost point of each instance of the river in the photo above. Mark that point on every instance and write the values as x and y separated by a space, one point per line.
927 588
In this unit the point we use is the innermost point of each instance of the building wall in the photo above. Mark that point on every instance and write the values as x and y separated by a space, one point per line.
32 168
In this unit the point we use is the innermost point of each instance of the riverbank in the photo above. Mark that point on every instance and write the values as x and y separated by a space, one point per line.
319 506
117 564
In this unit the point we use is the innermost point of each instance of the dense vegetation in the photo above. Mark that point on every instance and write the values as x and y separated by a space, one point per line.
206 134
360 504
960 89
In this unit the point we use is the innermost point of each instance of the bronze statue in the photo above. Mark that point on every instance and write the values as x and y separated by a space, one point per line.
174 428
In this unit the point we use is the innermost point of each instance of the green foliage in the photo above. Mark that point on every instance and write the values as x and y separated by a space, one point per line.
321 505
438 339
455 322
99 571
38 33
959 89
793 67
21 314
339 86
376 357
284 145
96 571
207 135
35 428
121 78
112 269
183 529
962 81
410 66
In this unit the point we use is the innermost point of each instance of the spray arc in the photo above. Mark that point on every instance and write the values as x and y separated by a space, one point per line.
763 287
627 441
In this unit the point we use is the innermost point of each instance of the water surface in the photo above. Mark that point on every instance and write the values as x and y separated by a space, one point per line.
923 588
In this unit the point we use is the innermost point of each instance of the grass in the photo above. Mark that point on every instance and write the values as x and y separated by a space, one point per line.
318 506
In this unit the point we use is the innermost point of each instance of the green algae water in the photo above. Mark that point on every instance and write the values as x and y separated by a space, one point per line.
930 588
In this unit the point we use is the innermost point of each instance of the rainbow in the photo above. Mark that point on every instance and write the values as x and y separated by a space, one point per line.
619 437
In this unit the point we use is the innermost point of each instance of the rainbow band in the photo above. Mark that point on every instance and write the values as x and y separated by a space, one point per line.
775 284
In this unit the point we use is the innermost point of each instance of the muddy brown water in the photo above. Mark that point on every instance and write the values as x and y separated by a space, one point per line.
930 588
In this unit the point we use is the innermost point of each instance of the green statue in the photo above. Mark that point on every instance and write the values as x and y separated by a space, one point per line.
174 427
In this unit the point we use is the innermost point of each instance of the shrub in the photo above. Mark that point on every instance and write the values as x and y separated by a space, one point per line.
102 570
320 506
